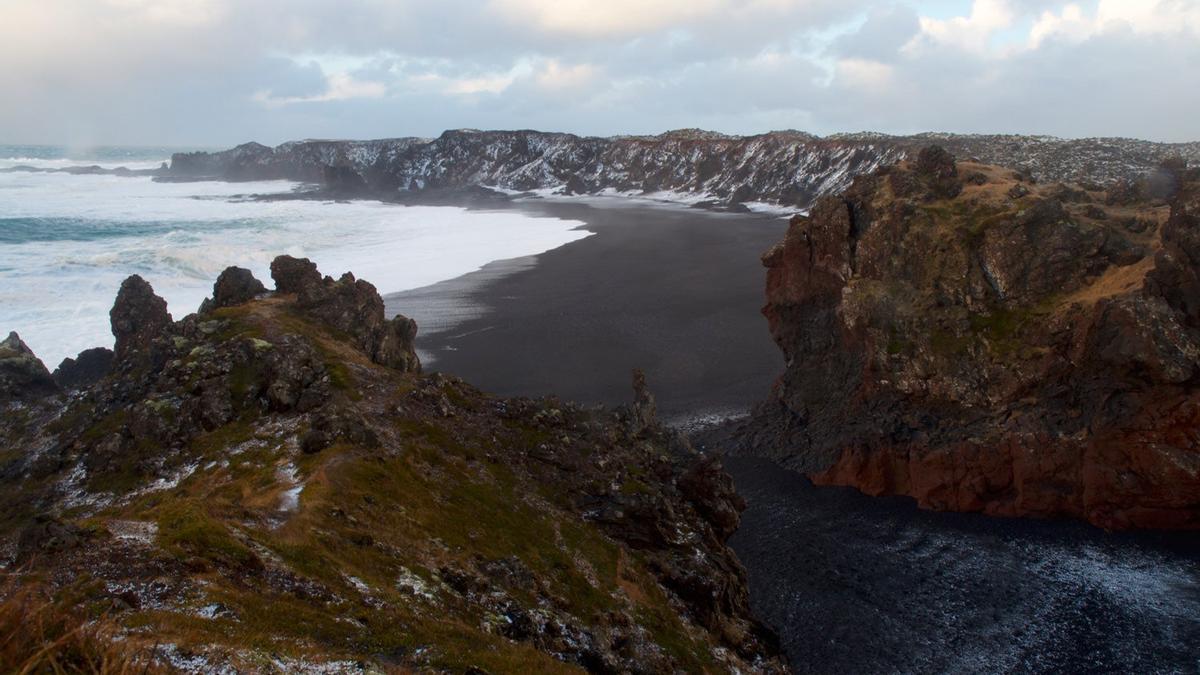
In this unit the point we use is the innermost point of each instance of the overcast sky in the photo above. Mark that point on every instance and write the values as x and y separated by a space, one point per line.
220 72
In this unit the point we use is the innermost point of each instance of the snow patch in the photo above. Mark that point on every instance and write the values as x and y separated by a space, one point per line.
75 496
289 499
410 583
171 481
187 662
134 531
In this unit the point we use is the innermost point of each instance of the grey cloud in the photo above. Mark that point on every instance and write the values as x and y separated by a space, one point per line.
736 71
881 36
1112 85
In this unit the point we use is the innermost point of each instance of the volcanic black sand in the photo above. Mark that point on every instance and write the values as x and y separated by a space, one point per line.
852 584
672 290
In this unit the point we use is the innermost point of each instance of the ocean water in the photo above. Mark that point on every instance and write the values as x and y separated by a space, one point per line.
67 242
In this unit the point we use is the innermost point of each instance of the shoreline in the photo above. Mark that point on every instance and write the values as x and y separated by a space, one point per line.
667 288
69 241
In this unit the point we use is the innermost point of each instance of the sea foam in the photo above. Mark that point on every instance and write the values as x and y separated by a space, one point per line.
67 242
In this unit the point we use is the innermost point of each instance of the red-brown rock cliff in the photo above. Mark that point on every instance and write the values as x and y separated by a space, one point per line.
956 333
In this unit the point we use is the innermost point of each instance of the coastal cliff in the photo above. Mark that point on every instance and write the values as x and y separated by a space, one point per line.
271 484
958 333
787 168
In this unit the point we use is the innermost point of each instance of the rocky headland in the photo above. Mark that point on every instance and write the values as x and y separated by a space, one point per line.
785 168
980 341
272 484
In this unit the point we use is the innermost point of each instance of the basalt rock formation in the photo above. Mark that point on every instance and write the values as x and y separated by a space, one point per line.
961 335
352 306
22 373
788 168
139 318
235 286
271 486
84 370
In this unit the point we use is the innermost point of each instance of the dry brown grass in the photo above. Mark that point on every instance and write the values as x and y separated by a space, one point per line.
40 636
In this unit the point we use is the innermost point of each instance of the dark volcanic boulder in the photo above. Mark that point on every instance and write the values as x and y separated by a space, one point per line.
293 275
352 306
48 536
235 286
983 354
138 317
644 412
84 370
22 374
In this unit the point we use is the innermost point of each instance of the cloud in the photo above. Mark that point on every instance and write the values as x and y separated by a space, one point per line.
216 72
1072 72
557 77
881 36
1149 17
339 87
972 32
171 12
631 18
612 17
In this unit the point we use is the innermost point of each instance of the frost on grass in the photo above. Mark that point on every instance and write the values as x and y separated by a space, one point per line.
133 531
74 494
410 583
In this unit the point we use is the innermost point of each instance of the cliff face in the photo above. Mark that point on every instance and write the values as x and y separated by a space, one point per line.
958 334
787 168
271 485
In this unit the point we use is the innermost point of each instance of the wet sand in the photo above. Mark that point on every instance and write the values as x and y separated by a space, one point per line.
672 290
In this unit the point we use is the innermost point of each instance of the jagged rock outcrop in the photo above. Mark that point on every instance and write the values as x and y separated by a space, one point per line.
86 369
235 285
293 275
939 171
23 376
268 479
139 318
981 348
644 411
782 167
352 306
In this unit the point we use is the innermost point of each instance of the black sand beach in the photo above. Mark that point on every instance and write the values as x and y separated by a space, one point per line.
672 290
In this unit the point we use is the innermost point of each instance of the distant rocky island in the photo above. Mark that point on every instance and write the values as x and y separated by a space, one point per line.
787 168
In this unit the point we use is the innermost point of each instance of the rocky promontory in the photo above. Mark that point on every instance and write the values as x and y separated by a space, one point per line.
791 169
271 484
980 341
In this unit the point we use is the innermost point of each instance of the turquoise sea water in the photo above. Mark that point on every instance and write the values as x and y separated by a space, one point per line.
48 155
